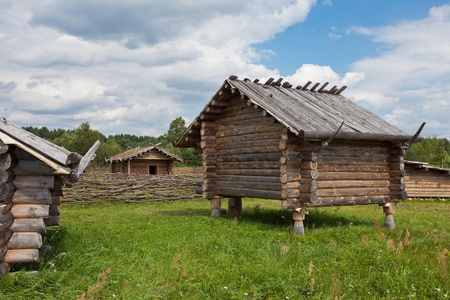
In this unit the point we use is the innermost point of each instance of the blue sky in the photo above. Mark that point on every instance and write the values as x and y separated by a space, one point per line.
134 66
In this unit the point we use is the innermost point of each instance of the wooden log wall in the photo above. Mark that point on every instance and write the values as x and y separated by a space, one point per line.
209 156
7 163
424 182
397 173
290 174
350 173
248 153
31 204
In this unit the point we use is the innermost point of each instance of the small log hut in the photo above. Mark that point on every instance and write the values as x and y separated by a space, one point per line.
32 173
306 147
151 160
424 181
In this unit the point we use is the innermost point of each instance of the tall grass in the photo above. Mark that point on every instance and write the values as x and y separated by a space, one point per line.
177 251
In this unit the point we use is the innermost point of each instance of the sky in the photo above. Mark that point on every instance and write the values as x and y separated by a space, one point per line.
134 66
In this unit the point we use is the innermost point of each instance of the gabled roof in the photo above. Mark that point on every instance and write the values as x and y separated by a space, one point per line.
65 163
138 151
313 113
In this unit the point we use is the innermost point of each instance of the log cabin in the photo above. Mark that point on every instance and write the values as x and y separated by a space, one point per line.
424 181
151 160
308 147
32 174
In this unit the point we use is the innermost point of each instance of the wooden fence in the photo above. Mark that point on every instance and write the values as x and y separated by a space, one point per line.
95 187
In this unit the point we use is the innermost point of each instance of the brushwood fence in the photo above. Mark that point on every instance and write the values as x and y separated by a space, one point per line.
112 187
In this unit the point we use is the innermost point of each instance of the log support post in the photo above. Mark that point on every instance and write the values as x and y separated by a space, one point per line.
299 216
234 205
389 210
216 203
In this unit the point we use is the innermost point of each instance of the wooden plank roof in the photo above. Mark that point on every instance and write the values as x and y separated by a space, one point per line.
426 167
65 163
138 151
307 113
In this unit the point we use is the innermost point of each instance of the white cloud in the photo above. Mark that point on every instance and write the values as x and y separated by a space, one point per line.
129 67
409 81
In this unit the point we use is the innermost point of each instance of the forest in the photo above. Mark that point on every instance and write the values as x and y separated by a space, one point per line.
433 150
83 137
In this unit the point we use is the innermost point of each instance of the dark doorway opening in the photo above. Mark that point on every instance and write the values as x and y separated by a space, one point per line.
152 170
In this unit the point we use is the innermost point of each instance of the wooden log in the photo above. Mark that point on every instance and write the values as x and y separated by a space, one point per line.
56 200
22 256
340 201
25 240
339 184
28 225
291 185
397 186
289 168
334 160
6 175
7 161
5 207
266 186
310 174
248 178
247 150
290 177
252 137
5 221
32 196
353 168
32 167
3 250
398 195
248 165
308 198
30 211
352 176
34 181
236 192
290 193
234 205
352 192
289 159
5 235
254 157
5 148
308 165
7 189
52 221
250 172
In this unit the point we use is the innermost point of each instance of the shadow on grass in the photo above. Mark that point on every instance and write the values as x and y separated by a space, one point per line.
277 218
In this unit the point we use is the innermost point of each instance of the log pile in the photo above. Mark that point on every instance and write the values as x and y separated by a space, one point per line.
112 187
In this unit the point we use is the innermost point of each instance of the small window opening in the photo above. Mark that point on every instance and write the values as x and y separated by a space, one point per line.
152 170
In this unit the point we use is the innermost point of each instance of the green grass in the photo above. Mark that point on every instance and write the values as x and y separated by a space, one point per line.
177 251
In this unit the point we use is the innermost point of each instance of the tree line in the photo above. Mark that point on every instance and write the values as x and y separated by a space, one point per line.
83 137
432 150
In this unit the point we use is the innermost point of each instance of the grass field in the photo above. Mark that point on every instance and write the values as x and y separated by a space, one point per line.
177 251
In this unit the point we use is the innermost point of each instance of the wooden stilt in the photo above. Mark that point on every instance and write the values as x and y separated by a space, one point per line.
216 203
234 205
299 216
389 210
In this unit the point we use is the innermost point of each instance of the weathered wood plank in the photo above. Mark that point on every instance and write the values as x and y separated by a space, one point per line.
25 240
32 196
34 181
22 256
30 210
